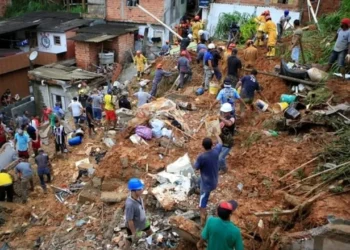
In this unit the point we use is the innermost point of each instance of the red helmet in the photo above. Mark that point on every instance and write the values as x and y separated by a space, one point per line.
345 21
159 66
197 18
183 53
268 18
232 46
266 13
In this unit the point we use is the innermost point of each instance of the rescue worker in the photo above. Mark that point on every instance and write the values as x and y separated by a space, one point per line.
296 41
234 33
271 30
341 50
165 49
208 65
196 27
135 213
83 93
204 35
43 162
140 62
183 65
201 49
261 20
158 76
250 54
284 20
226 55
184 44
6 186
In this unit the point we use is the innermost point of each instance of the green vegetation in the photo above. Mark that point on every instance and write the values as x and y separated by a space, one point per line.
247 25
19 7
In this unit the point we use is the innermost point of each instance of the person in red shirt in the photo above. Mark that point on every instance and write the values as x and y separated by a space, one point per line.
3 138
46 111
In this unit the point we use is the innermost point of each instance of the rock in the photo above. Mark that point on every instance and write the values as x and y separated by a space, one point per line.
187 229
110 185
124 161
113 197
96 182
88 194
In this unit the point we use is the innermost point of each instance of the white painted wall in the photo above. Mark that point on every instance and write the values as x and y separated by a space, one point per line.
216 9
46 42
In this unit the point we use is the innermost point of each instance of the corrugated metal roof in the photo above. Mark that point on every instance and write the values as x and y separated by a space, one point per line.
52 25
92 38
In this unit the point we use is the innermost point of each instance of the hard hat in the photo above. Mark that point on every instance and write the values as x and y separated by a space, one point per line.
232 46
196 18
211 46
138 52
183 53
159 66
226 108
189 36
200 91
200 32
135 184
286 12
267 12
345 21
268 17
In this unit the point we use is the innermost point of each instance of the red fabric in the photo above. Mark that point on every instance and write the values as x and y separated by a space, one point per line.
2 134
36 145
23 154
46 113
110 115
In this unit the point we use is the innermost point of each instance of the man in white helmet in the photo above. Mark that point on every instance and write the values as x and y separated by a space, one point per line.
208 65
203 35
227 125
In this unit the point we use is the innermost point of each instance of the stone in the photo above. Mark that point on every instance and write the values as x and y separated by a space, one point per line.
110 185
96 182
89 194
124 161
113 197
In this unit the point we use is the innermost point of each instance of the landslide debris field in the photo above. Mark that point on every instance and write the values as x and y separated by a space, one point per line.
256 165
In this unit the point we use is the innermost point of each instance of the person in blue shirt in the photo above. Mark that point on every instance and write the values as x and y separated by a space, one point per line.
208 165
165 49
158 76
208 65
228 95
183 65
201 50
58 111
249 86
22 144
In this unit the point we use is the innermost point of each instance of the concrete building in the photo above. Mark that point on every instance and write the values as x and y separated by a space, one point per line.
93 45
58 82
45 32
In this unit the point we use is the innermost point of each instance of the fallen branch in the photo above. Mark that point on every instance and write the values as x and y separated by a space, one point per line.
302 165
315 175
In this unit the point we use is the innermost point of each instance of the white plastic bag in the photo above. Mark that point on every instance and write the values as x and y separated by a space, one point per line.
317 75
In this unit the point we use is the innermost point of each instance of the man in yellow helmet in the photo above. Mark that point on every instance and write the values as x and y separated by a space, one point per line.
271 30
261 20
140 62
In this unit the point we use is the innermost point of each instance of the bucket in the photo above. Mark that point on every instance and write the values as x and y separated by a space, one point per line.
279 107
288 98
261 105
292 113
213 88
74 141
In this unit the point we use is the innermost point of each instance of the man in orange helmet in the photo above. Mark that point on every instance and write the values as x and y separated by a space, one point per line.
158 76
183 65
271 30
341 50
260 21
196 27
140 62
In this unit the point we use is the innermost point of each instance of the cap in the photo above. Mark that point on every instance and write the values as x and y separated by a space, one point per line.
229 205
345 21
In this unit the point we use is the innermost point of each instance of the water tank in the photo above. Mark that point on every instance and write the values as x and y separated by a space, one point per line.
106 58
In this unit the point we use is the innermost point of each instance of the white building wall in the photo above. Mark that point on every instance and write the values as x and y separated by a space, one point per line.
216 9
46 42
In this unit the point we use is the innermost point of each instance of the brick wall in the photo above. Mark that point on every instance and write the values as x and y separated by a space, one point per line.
86 54
3 6
125 43
292 4
118 11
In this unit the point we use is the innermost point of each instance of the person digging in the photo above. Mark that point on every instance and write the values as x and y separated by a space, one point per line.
207 164
135 214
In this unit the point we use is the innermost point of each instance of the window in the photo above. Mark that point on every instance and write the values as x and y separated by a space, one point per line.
57 40
283 1
60 100
132 3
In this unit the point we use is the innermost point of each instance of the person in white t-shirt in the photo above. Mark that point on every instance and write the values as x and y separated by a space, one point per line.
77 110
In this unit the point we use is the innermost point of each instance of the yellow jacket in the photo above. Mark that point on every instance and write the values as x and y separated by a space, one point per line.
140 60
260 20
271 30
5 179
196 26
108 100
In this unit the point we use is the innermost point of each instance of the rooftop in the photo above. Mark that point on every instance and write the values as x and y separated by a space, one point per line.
102 32
44 20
